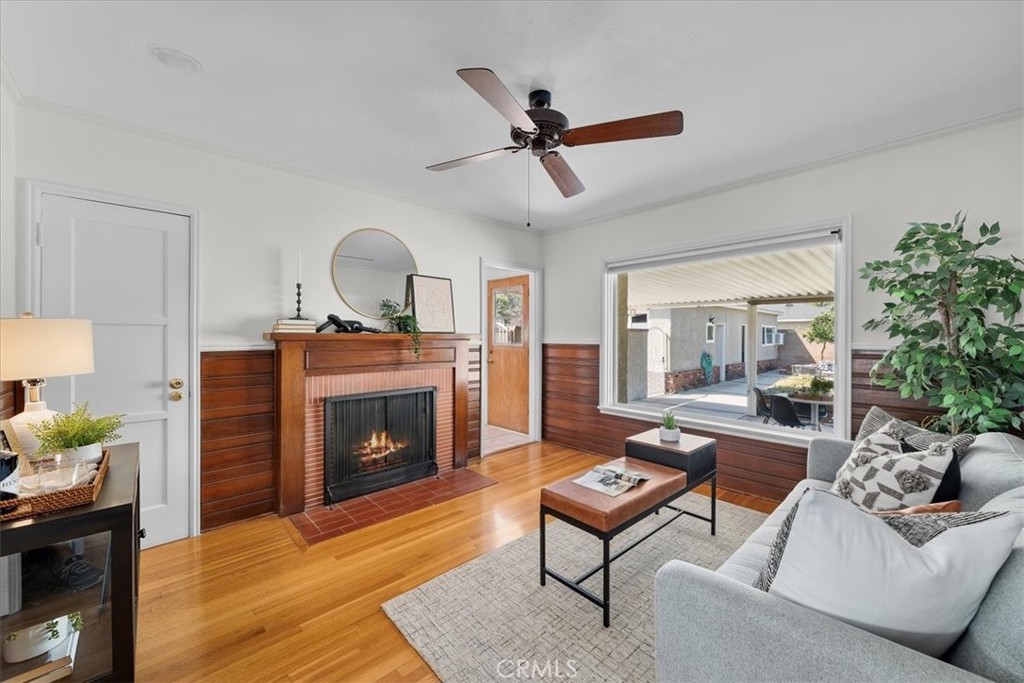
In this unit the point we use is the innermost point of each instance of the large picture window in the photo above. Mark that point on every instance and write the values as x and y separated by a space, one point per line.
730 322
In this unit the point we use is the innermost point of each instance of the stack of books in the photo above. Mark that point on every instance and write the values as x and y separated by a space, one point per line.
293 325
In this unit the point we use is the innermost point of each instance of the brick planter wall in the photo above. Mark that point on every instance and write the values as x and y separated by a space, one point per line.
735 371
683 380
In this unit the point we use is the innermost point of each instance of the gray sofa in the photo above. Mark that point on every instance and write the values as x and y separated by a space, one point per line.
713 626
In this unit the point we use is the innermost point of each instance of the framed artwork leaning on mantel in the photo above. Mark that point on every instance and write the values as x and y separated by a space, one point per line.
432 303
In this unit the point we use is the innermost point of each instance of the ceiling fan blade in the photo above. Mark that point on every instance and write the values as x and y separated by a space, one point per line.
564 178
650 126
482 156
490 87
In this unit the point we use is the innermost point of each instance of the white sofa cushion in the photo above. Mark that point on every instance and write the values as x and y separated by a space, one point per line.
917 580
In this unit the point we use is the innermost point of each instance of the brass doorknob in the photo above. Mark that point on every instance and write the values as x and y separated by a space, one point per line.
176 383
175 395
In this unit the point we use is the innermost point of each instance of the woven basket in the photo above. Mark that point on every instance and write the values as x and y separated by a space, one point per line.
54 501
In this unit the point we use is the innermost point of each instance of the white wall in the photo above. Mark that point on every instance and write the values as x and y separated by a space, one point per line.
254 220
8 194
977 170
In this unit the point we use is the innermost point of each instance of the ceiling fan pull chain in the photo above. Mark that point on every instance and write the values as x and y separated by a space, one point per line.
527 191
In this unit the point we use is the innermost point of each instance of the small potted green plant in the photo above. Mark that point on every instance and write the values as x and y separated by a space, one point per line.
78 435
404 323
669 430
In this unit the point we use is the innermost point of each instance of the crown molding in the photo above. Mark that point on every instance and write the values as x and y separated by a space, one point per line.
170 138
927 136
37 104
7 76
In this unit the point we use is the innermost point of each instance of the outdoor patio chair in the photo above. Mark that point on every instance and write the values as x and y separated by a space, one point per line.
784 413
763 410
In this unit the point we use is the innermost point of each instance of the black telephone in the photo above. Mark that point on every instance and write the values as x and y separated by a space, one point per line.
349 326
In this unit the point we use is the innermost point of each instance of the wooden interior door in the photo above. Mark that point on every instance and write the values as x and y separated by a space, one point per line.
508 344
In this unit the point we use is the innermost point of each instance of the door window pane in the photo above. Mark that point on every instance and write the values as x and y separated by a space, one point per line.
508 316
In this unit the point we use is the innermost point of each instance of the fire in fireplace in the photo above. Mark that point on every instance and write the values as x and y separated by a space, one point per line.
376 441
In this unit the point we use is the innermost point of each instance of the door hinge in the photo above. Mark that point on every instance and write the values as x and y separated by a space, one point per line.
39 234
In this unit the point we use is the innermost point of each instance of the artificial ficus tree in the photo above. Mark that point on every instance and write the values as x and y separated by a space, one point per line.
952 309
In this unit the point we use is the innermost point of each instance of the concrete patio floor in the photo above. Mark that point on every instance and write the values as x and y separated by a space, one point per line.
723 401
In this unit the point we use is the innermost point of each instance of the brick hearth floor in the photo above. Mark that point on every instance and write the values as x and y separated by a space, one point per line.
319 524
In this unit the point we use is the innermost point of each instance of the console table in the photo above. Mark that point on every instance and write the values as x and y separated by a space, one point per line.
106 648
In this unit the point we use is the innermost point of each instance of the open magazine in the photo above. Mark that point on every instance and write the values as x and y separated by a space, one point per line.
611 480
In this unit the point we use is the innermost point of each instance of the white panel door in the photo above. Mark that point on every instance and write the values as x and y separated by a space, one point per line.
127 270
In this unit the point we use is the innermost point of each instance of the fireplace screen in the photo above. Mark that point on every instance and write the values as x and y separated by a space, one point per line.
376 441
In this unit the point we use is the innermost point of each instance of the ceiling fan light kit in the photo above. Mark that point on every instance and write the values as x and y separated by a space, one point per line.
541 129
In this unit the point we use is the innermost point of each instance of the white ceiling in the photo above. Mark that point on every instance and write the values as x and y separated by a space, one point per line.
367 91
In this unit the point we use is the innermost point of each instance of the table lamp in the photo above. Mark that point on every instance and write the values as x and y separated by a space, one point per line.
32 349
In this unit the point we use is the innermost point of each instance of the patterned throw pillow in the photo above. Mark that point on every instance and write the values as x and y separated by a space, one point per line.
879 476
919 587
916 438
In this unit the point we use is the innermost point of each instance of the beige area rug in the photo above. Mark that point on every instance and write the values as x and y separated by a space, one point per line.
491 620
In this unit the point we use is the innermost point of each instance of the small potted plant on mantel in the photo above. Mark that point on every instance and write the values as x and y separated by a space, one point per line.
78 436
404 323
669 430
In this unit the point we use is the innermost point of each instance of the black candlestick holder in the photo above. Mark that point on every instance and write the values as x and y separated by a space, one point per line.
298 303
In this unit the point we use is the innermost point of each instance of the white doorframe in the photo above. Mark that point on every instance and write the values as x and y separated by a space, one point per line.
536 282
29 291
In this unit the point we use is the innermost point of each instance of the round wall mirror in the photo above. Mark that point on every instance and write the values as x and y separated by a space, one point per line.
370 265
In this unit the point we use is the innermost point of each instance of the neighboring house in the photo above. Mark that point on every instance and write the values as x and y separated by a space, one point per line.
678 337
793 322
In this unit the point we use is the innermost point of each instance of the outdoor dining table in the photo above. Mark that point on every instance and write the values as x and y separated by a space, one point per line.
814 401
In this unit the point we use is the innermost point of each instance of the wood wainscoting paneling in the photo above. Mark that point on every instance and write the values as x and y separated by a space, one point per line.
237 436
570 417
8 398
864 395
473 437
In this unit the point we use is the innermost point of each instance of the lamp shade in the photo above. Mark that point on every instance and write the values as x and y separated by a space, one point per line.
37 348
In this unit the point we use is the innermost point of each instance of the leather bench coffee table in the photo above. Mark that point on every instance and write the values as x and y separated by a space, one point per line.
607 516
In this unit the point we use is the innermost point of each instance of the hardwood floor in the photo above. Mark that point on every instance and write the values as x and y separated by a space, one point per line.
250 602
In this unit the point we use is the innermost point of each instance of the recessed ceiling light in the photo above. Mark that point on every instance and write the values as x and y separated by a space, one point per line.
174 59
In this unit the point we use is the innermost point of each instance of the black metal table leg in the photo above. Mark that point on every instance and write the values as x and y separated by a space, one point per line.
543 561
607 584
714 499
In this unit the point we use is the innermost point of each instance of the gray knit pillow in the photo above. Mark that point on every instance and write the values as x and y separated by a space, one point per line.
916 438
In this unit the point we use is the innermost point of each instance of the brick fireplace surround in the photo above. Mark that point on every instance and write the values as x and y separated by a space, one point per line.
311 367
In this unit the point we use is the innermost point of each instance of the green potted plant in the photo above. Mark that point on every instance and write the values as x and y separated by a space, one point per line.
952 309
403 323
78 435
669 430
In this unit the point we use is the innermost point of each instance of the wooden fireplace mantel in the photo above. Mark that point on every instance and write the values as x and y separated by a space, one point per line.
298 356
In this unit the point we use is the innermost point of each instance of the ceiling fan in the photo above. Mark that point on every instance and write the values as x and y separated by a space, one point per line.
541 129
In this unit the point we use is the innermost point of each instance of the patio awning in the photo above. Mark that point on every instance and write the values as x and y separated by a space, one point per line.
792 275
